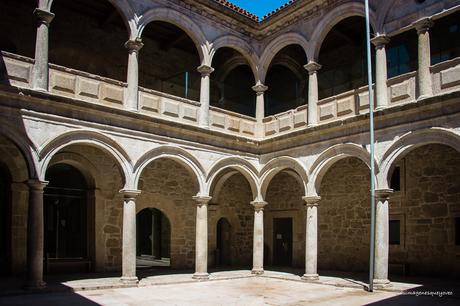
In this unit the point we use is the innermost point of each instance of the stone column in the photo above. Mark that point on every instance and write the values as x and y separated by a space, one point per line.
201 242
381 70
35 235
311 238
258 244
203 118
260 89
132 92
40 68
312 68
424 57
381 237
129 236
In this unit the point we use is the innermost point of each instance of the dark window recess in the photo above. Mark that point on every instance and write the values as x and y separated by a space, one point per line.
395 232
445 38
395 182
402 54
457 231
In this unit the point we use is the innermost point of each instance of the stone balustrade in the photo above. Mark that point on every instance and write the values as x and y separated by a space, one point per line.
233 123
95 89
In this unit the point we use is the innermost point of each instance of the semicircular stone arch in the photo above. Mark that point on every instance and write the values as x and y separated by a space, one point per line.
239 45
25 146
278 165
124 9
275 46
91 138
331 19
409 142
227 164
329 157
183 22
179 155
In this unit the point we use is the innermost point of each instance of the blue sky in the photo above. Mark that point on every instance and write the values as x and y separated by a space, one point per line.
259 7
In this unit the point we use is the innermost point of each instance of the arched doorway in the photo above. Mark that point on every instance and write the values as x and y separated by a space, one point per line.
153 239
66 228
5 220
224 243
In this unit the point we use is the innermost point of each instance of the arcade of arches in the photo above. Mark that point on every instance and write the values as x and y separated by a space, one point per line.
121 192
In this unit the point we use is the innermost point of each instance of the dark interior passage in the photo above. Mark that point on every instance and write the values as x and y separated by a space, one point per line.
169 60
282 241
89 35
343 58
224 243
153 238
66 216
231 83
287 81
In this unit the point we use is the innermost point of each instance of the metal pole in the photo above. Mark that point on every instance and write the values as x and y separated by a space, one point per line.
186 84
371 133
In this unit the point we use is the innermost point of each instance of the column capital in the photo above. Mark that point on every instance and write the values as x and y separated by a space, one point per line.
134 45
258 205
202 200
383 194
380 40
130 194
311 200
423 25
36 184
43 16
260 89
312 67
205 70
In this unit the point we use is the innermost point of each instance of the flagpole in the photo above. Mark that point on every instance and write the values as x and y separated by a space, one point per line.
371 134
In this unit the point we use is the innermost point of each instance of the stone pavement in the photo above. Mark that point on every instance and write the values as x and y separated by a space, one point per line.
238 291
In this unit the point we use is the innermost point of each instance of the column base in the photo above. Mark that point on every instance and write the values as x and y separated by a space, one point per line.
381 283
422 97
200 276
35 285
312 124
257 271
310 277
133 280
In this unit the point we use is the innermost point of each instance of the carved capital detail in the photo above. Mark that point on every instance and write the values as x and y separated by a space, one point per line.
258 205
205 70
423 25
134 45
202 200
383 194
380 41
130 195
311 200
260 89
43 17
37 185
312 67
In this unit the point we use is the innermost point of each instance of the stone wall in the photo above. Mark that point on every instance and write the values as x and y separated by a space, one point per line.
168 186
427 208
284 198
344 217
233 203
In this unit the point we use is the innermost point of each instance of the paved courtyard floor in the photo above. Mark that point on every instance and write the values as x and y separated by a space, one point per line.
238 291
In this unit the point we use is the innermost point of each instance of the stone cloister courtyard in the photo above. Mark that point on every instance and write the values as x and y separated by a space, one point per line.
237 287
